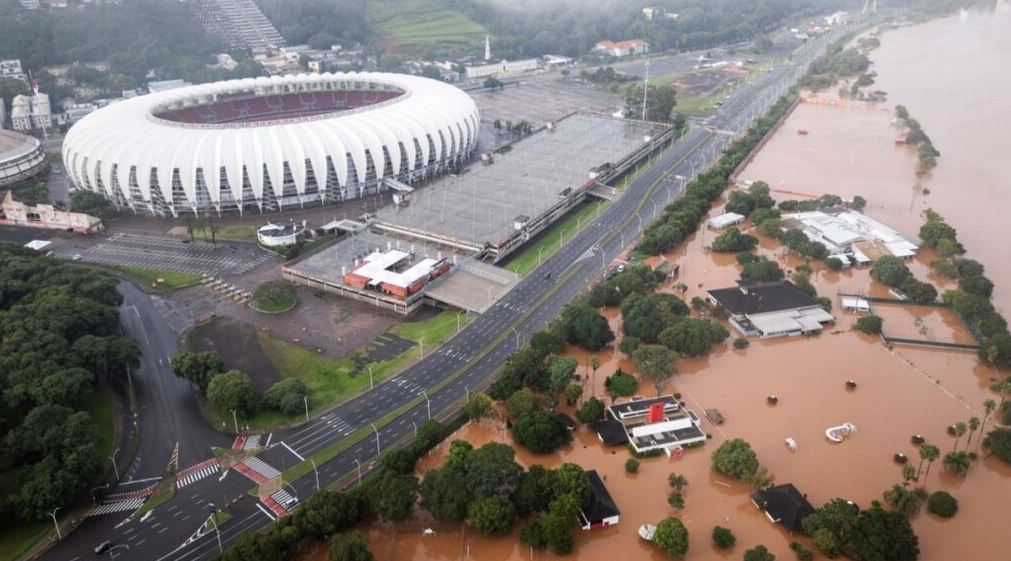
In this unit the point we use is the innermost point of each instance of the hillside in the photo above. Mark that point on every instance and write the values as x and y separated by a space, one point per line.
423 25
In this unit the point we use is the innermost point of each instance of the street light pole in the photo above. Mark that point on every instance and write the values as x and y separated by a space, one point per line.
359 471
214 520
378 448
316 471
371 384
59 535
517 338
415 430
305 399
235 419
112 459
428 404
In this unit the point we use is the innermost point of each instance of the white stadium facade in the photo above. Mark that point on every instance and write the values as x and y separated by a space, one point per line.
268 144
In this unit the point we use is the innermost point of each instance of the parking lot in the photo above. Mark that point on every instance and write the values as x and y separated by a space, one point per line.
539 102
172 254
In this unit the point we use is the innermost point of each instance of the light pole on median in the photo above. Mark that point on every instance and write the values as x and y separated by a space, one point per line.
371 384
428 404
214 520
359 471
52 514
112 459
316 471
415 430
517 338
305 399
235 419
378 448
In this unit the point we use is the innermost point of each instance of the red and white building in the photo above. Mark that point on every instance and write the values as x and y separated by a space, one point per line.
623 48
16 213
392 272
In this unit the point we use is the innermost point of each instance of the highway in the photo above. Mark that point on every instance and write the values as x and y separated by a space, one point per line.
438 383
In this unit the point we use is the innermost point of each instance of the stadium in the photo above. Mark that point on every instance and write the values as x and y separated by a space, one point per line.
21 157
268 144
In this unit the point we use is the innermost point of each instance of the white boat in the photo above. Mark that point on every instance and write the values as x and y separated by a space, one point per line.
647 531
839 433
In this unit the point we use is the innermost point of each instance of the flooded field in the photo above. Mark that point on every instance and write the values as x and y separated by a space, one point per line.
901 391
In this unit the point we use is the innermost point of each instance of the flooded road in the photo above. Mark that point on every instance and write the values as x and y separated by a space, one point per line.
950 74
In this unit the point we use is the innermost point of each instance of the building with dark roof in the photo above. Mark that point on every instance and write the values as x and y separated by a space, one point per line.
783 504
599 510
771 309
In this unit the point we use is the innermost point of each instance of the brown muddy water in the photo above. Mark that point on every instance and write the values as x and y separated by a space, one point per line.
949 73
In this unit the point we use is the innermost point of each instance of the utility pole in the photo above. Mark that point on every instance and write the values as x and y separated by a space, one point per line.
645 91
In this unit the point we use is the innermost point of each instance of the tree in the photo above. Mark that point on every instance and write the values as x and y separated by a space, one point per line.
532 534
631 465
957 463
547 343
732 240
903 500
560 372
883 535
693 337
523 402
351 546
572 394
88 202
531 494
491 515
232 391
393 496
858 203
869 324
833 263
287 396
928 452
761 270
672 536
942 504
723 538
735 458
999 442
491 470
741 343
540 431
758 553
328 511
988 407
492 83
197 367
891 271
478 406
444 495
591 411
655 362
973 427
957 430
584 326
620 384
660 102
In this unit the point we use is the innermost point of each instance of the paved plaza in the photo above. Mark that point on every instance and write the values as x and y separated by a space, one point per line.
540 102
172 254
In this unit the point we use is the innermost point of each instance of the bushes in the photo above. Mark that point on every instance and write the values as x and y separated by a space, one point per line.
759 269
621 384
631 465
672 536
735 458
732 240
999 442
758 553
869 324
582 325
741 343
591 411
693 337
892 271
287 396
942 504
723 538
233 391
803 553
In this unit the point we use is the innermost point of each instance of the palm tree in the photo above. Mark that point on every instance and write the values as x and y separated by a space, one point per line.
903 500
958 429
1002 387
677 481
930 453
973 427
989 406
595 364
957 462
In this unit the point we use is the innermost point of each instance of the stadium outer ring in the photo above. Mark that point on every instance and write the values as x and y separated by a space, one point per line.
139 160
25 160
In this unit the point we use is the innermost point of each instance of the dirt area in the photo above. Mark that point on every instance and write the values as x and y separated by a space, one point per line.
237 345
707 82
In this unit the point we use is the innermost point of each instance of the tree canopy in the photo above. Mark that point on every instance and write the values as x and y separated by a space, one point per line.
672 537
540 431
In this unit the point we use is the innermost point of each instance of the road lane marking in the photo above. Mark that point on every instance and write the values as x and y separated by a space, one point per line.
297 455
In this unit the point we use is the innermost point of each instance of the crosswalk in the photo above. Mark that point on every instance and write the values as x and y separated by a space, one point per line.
197 472
261 467
121 506
252 442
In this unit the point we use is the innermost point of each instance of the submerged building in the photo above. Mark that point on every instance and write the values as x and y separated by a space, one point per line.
771 309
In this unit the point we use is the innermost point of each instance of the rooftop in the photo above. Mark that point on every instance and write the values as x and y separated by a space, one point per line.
762 298
784 504
599 505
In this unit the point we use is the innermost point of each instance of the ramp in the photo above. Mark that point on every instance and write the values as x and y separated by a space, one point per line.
472 286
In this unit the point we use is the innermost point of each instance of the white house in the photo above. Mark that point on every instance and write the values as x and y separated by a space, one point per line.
623 48
501 68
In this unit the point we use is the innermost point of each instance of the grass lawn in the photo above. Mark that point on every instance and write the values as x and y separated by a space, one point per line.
548 241
172 279
158 499
16 538
422 23
237 232
330 381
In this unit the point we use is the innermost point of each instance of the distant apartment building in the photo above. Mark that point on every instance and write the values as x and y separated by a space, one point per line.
11 68
31 112
623 48
29 4
166 85
239 22
17 213
3 114
502 68
653 13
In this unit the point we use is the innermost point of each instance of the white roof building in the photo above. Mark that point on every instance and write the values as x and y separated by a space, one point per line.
724 220
853 234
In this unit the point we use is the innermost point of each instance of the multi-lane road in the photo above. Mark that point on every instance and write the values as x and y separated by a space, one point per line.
437 384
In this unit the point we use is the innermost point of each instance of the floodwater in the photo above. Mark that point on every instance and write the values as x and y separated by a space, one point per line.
949 74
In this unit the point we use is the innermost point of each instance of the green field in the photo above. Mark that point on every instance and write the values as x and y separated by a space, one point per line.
15 539
423 23
549 241
330 381
172 280
236 232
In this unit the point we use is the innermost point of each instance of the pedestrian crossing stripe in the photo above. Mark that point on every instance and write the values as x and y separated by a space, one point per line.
121 506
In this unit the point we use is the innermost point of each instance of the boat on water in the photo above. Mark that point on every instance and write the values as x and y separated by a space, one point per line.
647 531
839 433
